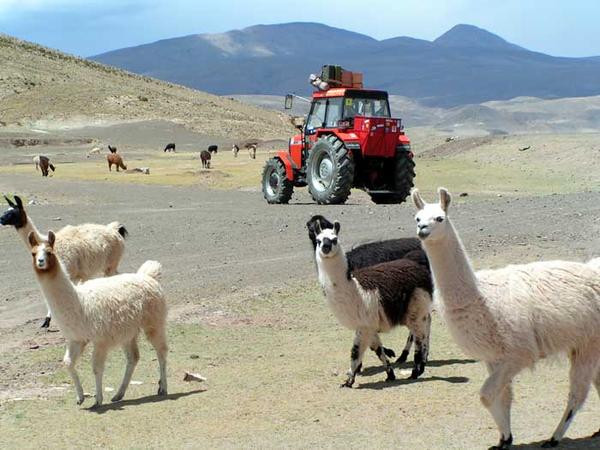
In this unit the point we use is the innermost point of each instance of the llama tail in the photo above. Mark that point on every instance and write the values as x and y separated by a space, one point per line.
594 263
119 228
52 167
151 268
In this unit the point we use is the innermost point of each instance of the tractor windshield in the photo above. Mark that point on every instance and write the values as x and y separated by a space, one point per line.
367 107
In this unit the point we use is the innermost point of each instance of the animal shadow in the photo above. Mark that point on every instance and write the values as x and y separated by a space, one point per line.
383 384
374 370
120 405
579 443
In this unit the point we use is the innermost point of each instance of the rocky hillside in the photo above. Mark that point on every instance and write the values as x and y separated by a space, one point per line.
40 87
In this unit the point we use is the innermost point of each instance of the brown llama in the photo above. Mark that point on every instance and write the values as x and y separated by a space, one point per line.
205 158
115 158
43 162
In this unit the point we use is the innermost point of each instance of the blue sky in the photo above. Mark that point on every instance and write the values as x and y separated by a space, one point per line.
557 27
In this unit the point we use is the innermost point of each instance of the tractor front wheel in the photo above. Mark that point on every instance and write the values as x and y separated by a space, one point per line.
275 185
330 171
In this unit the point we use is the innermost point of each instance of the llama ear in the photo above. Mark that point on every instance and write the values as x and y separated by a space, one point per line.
445 198
417 199
11 204
51 238
318 227
336 227
32 240
19 202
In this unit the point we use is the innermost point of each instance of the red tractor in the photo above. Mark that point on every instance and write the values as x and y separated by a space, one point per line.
348 140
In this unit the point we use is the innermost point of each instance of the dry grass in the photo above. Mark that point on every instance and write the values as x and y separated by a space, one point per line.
555 163
274 366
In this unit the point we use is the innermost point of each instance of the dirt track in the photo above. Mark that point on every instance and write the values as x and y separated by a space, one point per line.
215 242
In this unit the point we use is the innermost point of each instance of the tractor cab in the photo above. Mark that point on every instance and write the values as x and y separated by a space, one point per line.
348 130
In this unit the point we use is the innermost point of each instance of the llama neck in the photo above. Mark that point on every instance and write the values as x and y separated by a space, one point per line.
453 274
28 228
333 271
61 295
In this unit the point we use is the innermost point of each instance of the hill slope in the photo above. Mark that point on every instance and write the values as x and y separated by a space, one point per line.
464 65
40 85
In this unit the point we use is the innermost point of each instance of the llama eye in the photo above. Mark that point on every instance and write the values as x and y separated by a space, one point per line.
334 241
418 219
439 219
319 241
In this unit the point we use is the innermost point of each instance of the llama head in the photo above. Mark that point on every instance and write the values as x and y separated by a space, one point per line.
327 240
431 217
42 252
15 215
311 225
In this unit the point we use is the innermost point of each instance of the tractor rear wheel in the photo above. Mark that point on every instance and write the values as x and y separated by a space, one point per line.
330 171
404 175
275 185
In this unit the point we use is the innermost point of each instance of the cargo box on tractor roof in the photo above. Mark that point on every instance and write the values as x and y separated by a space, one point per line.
348 140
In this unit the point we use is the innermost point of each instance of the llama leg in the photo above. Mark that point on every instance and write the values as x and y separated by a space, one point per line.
597 384
420 330
132 354
158 340
361 341
496 396
46 323
406 351
72 354
380 352
98 360
584 365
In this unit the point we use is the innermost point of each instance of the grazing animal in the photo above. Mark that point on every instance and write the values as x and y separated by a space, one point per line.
87 251
213 149
112 149
373 253
375 299
94 151
43 162
117 160
512 317
170 147
106 312
205 158
251 146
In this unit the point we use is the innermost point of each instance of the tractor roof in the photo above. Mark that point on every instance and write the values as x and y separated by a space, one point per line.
352 92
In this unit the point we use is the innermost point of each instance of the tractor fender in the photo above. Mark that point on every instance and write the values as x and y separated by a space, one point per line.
403 139
287 162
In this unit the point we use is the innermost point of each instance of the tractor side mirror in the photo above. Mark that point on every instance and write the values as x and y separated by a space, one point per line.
289 101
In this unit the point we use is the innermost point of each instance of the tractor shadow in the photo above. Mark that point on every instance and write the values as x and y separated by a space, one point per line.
121 405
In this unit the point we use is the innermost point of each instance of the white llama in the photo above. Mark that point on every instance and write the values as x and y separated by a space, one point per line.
87 251
375 299
105 312
514 316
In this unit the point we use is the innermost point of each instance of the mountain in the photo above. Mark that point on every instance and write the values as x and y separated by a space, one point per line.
43 86
466 36
464 65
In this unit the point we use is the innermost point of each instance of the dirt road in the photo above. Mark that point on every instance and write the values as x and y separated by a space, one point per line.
214 242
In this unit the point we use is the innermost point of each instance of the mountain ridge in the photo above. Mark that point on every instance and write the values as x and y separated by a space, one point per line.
464 65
